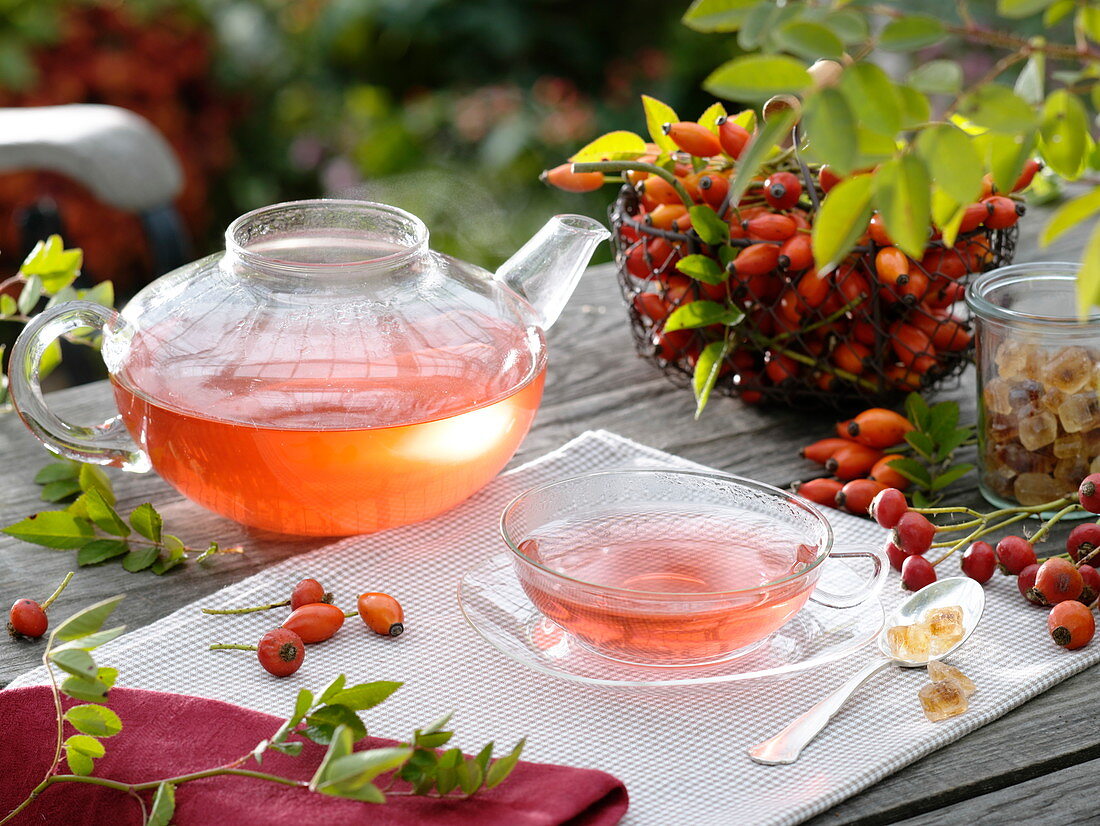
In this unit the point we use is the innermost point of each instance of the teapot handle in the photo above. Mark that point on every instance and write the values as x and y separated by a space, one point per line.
107 443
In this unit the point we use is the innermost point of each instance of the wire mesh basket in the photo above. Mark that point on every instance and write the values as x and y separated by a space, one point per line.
849 337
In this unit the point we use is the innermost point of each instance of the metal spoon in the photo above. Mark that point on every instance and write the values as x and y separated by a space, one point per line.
786 746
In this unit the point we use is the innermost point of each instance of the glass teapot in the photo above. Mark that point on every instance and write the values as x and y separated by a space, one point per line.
327 375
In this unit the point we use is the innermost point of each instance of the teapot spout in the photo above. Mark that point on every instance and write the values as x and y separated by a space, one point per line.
546 269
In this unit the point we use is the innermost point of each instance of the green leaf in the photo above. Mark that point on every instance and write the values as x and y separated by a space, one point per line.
849 25
937 77
29 295
55 266
1057 11
757 150
1064 134
52 529
761 21
86 745
139 559
707 370
953 161
321 724
439 724
809 40
997 109
352 771
949 444
74 661
903 195
100 512
332 689
711 116
757 77
943 418
93 478
167 559
302 703
108 676
702 314
1021 8
500 769
87 621
420 770
433 741
100 550
164 805
912 470
293 748
702 268
340 745
917 411
1032 79
1088 277
657 114
79 764
51 358
906 34
446 774
1088 20
950 475
60 490
844 215
92 641
921 442
90 691
470 775
619 145
147 521
8 307
705 221
717 15
829 123
209 552
1071 214
93 719
57 472
102 293
1006 155
915 108
873 98
365 695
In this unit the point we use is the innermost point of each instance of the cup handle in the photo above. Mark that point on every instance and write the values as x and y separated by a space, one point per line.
107 443
869 588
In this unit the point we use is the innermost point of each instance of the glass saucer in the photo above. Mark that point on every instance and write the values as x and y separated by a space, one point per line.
496 606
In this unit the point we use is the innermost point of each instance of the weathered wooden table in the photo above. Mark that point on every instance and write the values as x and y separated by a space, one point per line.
1037 763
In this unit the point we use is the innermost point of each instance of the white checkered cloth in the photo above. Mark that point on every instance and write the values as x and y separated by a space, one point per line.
680 750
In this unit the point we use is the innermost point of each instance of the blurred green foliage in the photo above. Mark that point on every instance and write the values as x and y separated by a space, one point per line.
447 108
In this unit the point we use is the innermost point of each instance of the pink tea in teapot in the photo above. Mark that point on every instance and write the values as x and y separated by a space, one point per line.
327 445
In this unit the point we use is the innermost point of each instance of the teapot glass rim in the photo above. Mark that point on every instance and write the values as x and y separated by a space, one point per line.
410 234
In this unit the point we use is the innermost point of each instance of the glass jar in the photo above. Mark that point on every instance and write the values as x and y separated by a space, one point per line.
1038 380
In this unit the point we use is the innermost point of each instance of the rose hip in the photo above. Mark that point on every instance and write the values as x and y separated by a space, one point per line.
315 622
1014 553
979 561
821 491
1026 582
1089 493
27 619
916 572
914 533
1057 580
280 652
1083 540
896 556
856 496
1071 624
307 592
888 507
381 613
1090 577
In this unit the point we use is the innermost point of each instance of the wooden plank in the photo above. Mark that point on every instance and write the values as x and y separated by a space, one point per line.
594 380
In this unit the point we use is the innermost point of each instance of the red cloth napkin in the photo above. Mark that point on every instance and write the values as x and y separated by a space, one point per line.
170 734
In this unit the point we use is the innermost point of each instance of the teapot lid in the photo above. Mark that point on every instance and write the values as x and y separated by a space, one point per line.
326 314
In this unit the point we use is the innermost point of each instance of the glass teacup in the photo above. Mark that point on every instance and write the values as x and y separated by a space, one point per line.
672 567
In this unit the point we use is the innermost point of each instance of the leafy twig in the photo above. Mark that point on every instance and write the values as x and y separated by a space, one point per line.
933 442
